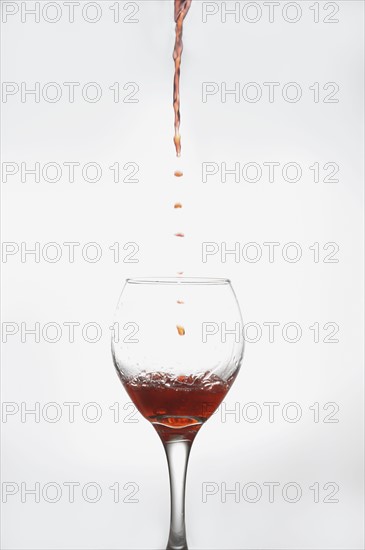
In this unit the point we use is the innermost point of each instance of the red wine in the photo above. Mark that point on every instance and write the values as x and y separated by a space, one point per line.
181 9
177 405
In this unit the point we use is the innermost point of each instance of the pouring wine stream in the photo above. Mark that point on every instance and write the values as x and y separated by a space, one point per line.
181 10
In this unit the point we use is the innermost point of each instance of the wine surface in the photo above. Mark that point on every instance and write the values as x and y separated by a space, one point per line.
177 405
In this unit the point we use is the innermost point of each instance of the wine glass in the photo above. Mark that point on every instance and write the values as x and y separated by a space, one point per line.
177 347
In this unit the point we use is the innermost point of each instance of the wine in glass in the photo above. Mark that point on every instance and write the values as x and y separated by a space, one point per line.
177 352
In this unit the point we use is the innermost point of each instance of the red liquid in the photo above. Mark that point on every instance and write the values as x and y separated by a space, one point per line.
181 9
177 406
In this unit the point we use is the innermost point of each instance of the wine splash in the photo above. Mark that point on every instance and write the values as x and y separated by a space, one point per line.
177 405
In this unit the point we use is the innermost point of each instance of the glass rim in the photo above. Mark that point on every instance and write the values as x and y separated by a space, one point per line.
178 280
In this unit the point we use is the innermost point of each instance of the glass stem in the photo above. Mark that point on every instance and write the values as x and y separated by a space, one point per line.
177 452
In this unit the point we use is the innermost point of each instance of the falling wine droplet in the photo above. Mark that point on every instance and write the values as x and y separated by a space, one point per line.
180 330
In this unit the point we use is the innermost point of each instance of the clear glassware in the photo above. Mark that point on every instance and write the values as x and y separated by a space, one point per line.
177 347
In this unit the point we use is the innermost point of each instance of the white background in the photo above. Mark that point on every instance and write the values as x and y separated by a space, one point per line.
235 451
